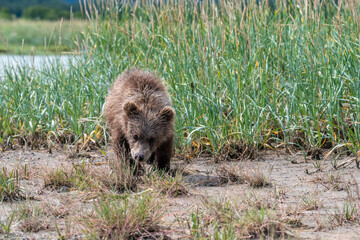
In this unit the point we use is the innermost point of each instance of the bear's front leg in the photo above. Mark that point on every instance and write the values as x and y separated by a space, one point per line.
121 147
164 154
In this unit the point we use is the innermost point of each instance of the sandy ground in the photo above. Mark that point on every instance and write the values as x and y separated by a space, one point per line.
293 180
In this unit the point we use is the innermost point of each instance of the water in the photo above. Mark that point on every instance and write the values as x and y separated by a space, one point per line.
13 62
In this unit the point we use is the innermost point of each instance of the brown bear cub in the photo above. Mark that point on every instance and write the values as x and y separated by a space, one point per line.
140 117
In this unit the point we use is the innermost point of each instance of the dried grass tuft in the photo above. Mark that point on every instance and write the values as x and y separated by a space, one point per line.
129 217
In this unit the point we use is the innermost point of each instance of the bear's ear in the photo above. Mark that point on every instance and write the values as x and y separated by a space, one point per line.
167 114
131 109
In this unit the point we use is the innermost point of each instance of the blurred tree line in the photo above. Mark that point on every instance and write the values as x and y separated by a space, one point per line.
39 9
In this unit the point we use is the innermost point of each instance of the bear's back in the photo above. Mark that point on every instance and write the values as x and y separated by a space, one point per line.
138 86
145 89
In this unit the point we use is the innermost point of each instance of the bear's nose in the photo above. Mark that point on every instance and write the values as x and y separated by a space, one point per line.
139 156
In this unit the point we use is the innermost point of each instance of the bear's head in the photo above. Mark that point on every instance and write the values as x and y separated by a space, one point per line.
145 132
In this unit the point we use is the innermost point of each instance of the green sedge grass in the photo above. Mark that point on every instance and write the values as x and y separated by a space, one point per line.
243 74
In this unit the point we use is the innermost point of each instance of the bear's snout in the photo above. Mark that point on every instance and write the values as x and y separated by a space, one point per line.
139 156
140 150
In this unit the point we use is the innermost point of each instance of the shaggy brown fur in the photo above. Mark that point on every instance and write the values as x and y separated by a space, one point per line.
140 118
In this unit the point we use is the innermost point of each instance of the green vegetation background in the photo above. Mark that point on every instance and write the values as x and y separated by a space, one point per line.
21 36
32 26
38 9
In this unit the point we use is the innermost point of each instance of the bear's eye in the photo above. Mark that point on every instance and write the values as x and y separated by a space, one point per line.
151 140
136 137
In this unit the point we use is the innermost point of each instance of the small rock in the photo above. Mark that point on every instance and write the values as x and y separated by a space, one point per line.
63 189
202 180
